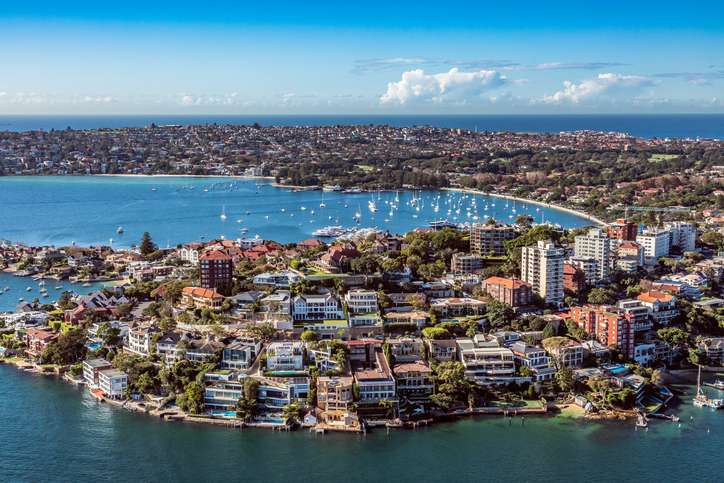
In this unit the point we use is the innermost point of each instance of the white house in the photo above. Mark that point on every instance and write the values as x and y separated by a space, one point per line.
285 356
317 307
113 383
361 301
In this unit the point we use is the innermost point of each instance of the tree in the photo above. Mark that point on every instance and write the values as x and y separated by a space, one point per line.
499 315
601 296
192 399
450 384
145 383
147 246
564 378
435 333
263 331
549 330
309 336
246 405
292 413
673 336
69 348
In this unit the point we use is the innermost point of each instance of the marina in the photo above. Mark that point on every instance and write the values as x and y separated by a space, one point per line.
116 210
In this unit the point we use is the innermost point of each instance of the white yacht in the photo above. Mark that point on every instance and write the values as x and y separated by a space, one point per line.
702 400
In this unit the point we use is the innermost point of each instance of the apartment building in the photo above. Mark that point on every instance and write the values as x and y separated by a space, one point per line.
488 240
655 243
216 270
595 245
511 291
462 263
542 267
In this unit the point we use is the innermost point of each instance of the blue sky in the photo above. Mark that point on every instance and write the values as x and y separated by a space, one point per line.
361 57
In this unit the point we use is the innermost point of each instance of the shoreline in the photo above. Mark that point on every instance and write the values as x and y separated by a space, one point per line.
177 416
551 206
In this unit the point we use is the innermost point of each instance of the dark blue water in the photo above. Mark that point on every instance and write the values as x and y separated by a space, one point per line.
50 431
47 210
641 125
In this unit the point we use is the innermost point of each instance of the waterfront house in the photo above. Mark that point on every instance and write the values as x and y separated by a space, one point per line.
486 364
375 381
564 351
113 383
414 380
536 359
335 396
222 396
91 369
37 340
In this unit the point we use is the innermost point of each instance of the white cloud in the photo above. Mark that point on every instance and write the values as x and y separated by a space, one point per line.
452 86
602 84
190 100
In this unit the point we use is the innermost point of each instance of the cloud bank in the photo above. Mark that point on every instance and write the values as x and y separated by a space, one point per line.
454 86
603 84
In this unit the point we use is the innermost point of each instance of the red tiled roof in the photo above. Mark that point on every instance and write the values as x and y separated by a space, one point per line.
201 292
511 283
655 296
214 255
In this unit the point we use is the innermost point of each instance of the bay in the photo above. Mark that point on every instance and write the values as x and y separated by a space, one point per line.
17 289
87 210
50 431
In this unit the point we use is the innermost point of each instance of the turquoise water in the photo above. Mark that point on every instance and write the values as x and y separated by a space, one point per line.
88 210
18 289
50 431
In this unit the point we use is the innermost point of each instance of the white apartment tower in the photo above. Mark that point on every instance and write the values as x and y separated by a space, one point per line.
682 235
655 244
595 245
542 267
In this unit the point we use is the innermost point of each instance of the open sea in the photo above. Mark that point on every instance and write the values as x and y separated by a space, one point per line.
641 125
50 431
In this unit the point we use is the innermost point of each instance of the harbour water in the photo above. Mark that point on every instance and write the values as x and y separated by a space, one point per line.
17 289
50 431
89 210
641 125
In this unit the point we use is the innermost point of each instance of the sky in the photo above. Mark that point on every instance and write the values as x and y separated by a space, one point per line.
394 57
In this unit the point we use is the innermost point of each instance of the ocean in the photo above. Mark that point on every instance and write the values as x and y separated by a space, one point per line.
641 125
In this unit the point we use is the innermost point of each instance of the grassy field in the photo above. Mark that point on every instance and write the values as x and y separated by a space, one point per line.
662 157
